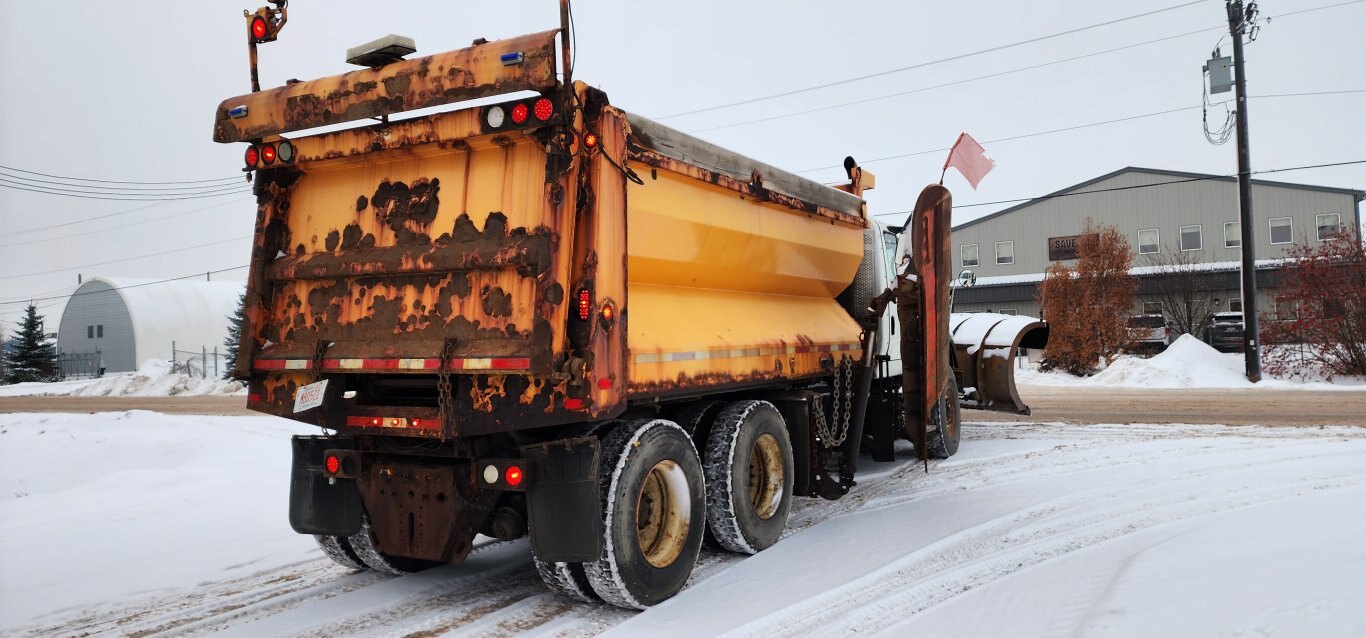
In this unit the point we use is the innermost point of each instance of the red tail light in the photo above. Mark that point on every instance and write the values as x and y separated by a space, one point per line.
544 109
268 153
590 141
513 475
519 113
252 156
573 404
604 384
608 312
585 304
259 28
333 464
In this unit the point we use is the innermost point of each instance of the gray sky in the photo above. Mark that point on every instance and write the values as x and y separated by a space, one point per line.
120 90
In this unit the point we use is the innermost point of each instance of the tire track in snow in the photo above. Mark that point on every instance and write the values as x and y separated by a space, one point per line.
971 558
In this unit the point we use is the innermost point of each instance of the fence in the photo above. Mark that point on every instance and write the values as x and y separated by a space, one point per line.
201 364
79 365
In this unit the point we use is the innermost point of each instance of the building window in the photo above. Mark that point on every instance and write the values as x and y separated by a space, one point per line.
1147 241
1235 304
968 253
1152 307
1005 252
1281 232
99 331
1007 311
1233 235
1191 239
1328 224
1286 309
90 332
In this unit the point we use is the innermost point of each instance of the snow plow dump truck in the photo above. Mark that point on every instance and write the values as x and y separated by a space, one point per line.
545 316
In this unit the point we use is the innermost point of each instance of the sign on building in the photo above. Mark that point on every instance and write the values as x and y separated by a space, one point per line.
1060 248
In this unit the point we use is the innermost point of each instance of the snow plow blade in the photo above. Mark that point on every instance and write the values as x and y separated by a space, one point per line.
984 346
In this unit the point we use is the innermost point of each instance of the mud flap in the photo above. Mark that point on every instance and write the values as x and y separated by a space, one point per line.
315 505
564 510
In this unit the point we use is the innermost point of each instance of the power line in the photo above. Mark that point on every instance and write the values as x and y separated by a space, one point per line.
145 283
130 224
1065 129
112 181
61 192
957 82
1201 178
115 261
96 188
931 62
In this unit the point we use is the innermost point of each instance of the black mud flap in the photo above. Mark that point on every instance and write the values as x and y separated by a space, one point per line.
315 505
563 507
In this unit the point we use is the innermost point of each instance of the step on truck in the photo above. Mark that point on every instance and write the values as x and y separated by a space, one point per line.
544 316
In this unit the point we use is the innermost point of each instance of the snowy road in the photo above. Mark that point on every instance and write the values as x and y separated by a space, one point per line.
146 524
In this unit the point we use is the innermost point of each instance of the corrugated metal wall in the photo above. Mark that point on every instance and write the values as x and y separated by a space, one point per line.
1166 208
94 305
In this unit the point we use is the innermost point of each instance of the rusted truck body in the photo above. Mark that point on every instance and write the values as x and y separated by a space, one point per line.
543 315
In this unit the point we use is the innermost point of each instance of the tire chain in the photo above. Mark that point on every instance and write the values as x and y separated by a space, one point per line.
833 437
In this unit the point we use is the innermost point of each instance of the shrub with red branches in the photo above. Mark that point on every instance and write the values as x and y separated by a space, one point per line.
1325 283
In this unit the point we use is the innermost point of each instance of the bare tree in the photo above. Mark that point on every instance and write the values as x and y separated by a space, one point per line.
1178 286
1087 307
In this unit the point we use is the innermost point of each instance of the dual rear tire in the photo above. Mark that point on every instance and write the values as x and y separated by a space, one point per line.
659 496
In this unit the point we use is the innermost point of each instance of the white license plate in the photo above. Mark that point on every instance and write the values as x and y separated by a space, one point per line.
310 396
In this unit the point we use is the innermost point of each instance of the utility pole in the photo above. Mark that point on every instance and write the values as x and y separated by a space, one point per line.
1239 21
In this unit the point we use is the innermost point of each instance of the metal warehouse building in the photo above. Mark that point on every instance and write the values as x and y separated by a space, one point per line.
1163 214
125 322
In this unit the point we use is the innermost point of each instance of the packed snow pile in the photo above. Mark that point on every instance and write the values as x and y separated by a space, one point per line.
155 378
1186 363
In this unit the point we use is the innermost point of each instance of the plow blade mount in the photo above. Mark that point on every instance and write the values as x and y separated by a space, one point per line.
985 345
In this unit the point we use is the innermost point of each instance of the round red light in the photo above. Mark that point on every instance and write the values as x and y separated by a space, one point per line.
333 464
608 312
258 28
544 109
268 153
604 384
513 475
590 140
519 114
252 156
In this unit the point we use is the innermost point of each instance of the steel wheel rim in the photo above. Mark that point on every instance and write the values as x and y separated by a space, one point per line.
765 476
661 525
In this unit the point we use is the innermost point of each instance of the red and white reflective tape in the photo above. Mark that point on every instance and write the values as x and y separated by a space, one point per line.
735 353
430 363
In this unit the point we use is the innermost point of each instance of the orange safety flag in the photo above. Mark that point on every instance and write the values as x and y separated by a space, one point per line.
970 159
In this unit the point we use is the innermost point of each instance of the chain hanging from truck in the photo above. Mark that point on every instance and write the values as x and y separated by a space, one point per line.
832 435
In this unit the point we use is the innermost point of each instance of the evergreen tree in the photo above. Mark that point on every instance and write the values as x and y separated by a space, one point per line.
234 336
33 358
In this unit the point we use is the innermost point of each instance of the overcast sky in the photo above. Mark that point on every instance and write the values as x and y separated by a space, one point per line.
118 90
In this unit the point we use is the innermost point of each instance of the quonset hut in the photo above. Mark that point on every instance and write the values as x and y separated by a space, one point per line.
128 321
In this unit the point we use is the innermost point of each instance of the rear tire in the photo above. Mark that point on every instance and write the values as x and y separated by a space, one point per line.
363 544
568 579
942 442
654 512
748 469
339 550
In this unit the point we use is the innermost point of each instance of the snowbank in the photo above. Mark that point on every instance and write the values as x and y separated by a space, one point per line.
154 379
1186 363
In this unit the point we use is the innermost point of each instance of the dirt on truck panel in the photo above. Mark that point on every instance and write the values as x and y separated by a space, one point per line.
545 316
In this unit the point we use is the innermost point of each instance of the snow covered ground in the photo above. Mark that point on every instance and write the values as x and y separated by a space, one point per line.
138 523
155 378
1186 363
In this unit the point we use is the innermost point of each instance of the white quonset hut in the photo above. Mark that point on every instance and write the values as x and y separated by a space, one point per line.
128 321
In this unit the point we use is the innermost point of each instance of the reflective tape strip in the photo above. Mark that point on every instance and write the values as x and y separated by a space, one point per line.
430 363
739 353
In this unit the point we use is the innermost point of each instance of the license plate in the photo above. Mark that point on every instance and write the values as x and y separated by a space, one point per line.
310 396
